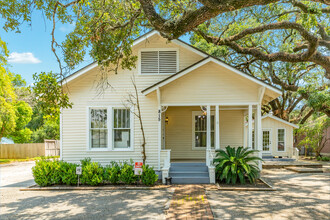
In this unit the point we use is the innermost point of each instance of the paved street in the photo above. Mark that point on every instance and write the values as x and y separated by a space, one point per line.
298 196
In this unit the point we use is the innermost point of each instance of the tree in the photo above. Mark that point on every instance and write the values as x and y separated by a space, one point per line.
49 130
314 134
50 103
246 27
304 87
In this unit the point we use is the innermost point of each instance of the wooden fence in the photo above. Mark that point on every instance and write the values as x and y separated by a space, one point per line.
21 151
52 148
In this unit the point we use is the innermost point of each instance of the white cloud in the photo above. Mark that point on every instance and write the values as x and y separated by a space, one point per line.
66 28
27 57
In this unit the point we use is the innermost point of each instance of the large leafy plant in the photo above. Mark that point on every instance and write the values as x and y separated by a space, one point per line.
237 164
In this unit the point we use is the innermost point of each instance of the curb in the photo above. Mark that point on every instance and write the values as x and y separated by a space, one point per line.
270 188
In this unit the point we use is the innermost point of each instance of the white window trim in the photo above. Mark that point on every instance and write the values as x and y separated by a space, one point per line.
110 146
277 140
194 113
158 49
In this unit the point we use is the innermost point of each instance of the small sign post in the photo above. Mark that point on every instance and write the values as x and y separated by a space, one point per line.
138 168
78 172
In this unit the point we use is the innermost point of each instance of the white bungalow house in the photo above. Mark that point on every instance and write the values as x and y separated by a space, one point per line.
179 87
277 137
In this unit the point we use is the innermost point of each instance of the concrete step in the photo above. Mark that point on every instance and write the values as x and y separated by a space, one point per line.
189 169
177 164
190 180
189 174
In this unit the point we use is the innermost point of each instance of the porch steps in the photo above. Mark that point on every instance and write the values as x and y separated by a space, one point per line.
189 173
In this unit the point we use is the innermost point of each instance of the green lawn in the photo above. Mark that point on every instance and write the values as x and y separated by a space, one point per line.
4 161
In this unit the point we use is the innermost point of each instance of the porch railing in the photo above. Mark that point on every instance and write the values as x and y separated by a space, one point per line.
210 155
295 153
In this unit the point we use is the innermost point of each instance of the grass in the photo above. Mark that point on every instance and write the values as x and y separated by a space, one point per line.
5 161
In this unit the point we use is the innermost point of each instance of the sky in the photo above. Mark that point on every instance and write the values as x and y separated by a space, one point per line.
30 51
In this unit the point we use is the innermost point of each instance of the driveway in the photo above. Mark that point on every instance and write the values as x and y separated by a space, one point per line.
298 196
119 204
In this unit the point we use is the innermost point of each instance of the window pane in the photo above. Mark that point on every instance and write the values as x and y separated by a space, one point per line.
200 139
265 140
253 139
200 131
122 138
98 118
99 138
167 62
149 62
280 140
121 118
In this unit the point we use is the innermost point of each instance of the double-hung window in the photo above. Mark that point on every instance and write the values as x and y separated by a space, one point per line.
98 130
280 139
200 130
121 128
158 61
110 128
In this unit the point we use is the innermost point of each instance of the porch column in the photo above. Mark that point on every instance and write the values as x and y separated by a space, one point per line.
255 136
249 132
258 131
217 128
159 126
208 127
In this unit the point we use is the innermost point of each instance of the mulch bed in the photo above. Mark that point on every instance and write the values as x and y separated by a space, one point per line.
260 185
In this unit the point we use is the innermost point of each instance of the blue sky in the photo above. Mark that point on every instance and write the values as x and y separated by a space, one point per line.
30 51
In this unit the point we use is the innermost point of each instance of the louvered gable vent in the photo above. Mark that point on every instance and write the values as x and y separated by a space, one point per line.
158 62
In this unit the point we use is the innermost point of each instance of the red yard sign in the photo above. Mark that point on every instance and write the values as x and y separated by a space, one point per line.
138 168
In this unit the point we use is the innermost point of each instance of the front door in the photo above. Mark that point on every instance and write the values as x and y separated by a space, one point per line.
266 140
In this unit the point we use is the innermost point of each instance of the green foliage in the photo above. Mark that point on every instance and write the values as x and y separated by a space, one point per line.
92 173
47 172
323 158
126 175
313 133
50 103
68 173
49 130
148 177
236 165
111 173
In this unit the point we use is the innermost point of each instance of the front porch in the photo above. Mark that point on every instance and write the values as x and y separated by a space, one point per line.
189 138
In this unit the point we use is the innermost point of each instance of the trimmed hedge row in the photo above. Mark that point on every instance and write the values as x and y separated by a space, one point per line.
53 172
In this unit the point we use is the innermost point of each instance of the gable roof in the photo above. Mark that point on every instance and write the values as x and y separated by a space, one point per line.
280 120
201 63
177 75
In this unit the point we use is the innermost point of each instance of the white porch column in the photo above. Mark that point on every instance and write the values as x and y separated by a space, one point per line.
249 132
208 127
217 128
159 126
258 131
255 136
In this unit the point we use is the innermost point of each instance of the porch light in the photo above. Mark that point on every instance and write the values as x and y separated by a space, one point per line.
166 120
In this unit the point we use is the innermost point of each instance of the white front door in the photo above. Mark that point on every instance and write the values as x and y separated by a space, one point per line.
266 140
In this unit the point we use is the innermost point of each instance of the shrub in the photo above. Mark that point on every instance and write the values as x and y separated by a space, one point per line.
235 164
46 172
68 173
92 173
323 158
111 173
148 177
127 174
